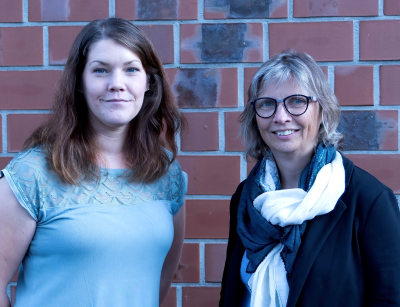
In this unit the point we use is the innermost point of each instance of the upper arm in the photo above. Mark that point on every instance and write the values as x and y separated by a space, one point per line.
17 228
380 247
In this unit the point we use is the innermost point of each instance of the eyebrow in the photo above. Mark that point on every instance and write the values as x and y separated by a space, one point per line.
107 64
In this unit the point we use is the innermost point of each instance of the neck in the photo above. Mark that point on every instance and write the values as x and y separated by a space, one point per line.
290 168
110 145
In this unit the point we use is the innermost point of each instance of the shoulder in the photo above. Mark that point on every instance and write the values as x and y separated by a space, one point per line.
363 190
31 161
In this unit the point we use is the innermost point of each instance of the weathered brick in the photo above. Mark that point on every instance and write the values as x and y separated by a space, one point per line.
369 130
215 255
200 296
354 85
245 9
189 265
384 167
162 37
211 175
207 219
201 133
221 43
60 42
19 127
389 85
314 8
11 11
21 46
27 89
4 161
204 87
325 41
380 40
67 10
391 7
156 9
249 73
233 141
170 300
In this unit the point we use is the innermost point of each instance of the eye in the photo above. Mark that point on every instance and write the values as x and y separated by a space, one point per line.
132 69
100 70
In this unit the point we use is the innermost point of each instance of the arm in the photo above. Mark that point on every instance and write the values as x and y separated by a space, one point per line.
380 250
17 228
174 255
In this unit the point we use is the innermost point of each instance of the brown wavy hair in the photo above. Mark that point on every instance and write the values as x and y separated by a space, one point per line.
67 137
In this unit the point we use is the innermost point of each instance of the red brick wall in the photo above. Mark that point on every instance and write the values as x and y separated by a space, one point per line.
211 51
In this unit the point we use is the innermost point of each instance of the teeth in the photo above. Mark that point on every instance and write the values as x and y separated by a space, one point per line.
286 132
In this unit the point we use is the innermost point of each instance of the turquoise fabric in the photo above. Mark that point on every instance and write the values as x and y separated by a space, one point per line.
101 244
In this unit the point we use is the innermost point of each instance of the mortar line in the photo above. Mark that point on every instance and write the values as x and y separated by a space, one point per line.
46 50
111 8
25 11
376 83
221 130
356 40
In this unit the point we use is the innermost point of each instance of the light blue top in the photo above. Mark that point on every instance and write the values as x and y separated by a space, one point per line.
99 244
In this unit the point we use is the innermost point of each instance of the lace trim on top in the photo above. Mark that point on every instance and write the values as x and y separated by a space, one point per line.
38 186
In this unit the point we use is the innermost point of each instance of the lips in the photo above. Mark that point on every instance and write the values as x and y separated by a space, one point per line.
115 100
284 132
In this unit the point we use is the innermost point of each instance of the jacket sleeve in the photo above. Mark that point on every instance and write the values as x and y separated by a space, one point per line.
380 250
232 238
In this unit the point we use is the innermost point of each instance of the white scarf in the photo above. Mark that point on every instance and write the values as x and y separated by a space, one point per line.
291 207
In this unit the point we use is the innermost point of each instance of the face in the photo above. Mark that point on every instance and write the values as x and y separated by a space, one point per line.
114 83
286 134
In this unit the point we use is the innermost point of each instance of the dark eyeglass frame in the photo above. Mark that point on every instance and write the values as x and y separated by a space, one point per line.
253 102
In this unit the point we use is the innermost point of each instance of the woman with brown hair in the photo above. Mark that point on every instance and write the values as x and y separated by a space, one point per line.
93 205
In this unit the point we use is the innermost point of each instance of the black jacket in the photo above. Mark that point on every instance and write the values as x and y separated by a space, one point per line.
348 257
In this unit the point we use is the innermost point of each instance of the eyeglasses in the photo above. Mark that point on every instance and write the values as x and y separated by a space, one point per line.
294 104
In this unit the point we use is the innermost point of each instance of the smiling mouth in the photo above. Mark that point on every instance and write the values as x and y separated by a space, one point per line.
286 132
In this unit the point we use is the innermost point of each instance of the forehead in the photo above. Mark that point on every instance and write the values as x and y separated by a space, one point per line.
280 90
109 49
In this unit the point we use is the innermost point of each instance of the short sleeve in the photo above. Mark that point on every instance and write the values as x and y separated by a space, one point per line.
22 174
178 185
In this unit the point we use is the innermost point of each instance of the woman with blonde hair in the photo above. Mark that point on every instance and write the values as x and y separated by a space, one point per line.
307 227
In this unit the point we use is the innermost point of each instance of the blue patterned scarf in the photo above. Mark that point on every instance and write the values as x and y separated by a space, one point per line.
259 236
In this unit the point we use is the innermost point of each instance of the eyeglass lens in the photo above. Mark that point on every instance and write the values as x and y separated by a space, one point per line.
295 105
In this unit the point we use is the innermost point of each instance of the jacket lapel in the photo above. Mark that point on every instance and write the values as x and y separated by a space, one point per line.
317 231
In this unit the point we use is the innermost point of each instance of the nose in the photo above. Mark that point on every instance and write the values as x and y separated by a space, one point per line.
281 115
116 82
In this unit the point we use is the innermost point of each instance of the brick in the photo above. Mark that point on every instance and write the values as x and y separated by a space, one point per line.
204 87
249 73
200 296
221 43
215 255
385 168
162 37
21 46
316 8
15 278
60 42
189 265
4 161
354 85
201 133
389 90
380 40
27 89
391 7
1 134
170 299
20 127
207 219
13 292
369 130
324 41
11 11
211 175
233 141
156 9
67 10
245 9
